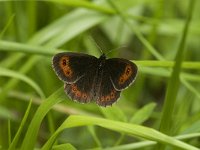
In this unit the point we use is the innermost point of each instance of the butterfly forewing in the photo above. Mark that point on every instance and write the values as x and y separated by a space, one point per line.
69 67
122 72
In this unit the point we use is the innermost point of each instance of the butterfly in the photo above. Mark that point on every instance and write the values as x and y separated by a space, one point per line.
88 78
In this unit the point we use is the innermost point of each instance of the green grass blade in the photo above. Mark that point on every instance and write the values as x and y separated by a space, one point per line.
143 144
173 84
94 135
113 113
9 132
170 64
86 4
25 48
174 81
129 129
13 74
11 18
143 114
64 146
132 146
21 127
5 113
31 134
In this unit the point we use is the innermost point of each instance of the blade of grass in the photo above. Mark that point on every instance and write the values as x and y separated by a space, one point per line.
25 48
165 73
13 74
129 129
103 8
165 63
86 4
94 135
138 118
143 114
11 18
5 113
143 144
31 134
174 81
131 146
64 146
9 132
21 127
113 113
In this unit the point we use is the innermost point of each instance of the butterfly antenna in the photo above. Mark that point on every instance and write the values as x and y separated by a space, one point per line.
115 49
99 48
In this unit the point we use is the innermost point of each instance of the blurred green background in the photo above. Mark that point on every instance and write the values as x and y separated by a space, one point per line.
148 32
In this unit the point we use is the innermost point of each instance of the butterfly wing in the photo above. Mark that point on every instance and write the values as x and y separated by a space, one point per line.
70 67
117 75
77 71
122 72
82 89
107 94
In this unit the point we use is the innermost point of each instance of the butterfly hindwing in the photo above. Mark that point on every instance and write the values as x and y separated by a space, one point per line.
69 67
122 72
82 89
107 94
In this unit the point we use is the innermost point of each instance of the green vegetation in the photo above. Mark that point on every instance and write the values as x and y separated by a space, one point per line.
161 110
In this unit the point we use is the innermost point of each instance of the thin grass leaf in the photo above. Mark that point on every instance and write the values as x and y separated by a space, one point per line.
13 74
11 18
64 146
15 140
173 84
9 132
5 113
191 88
94 135
145 144
87 19
6 63
31 134
86 4
113 113
165 63
143 114
129 129
131 146
174 81
25 48
193 128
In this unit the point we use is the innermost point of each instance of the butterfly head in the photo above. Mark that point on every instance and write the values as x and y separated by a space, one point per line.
102 60
102 57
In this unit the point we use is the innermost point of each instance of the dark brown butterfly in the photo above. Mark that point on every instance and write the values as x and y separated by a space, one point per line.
89 78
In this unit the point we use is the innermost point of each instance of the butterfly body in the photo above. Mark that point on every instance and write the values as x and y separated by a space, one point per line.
89 78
